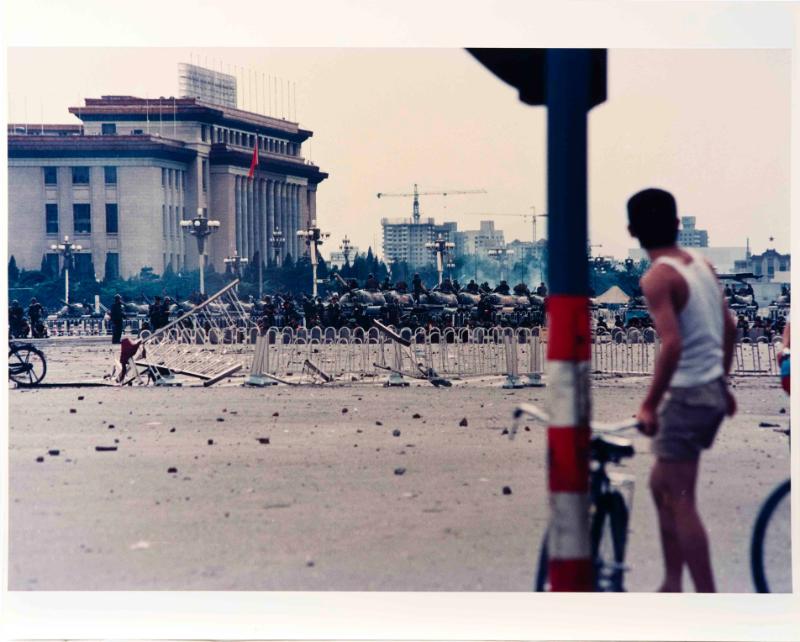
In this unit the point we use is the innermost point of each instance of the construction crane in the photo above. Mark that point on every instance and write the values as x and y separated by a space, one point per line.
416 194
533 216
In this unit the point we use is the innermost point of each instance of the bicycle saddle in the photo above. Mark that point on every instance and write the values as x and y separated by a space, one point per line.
608 448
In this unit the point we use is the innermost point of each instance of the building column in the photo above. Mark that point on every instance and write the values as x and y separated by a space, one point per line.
287 246
264 226
238 198
270 219
297 222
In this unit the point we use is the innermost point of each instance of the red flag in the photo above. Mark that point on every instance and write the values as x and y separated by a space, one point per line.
254 162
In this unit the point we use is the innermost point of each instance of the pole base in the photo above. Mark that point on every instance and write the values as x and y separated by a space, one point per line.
535 380
259 381
513 381
396 380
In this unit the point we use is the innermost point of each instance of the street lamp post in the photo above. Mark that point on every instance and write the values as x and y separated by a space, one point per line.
500 254
277 244
313 237
345 248
236 262
67 249
440 247
201 228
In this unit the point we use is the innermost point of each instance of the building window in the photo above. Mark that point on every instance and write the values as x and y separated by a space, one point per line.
137 132
83 265
112 266
112 219
51 218
80 175
164 221
203 133
111 174
51 176
82 218
108 129
205 171
183 180
51 262
169 177
163 177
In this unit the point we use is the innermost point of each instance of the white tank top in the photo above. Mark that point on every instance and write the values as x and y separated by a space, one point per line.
701 323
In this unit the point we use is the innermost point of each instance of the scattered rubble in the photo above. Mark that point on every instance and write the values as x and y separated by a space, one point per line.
395 433
105 449
399 471
263 440
506 490
463 422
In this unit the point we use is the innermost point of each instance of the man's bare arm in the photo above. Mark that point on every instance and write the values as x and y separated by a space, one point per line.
729 337
657 289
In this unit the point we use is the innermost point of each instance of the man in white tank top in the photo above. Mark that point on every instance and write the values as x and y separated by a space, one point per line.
688 395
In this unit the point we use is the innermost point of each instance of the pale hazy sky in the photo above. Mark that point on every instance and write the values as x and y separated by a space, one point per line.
710 125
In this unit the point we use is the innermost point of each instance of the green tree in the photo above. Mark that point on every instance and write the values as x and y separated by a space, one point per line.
13 270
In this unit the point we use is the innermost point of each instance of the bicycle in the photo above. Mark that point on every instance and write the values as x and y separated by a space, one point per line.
611 500
27 365
771 539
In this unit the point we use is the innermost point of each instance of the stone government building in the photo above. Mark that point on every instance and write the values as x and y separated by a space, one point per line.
120 183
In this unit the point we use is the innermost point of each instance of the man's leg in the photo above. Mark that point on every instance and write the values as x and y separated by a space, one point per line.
670 545
676 481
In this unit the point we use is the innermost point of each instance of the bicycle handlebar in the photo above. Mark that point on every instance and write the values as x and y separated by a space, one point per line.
537 413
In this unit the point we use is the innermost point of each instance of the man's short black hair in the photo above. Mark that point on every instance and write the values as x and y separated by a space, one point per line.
653 218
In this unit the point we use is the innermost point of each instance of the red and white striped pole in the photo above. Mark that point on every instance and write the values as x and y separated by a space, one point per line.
569 98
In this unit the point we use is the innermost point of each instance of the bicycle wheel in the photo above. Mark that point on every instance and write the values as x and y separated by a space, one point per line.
541 582
771 546
26 365
609 532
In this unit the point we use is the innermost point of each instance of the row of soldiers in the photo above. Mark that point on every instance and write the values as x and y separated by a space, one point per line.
448 286
18 325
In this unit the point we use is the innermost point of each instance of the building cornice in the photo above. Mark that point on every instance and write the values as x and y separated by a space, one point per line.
130 108
141 146
222 154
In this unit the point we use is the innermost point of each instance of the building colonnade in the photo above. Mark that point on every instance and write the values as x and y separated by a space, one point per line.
263 205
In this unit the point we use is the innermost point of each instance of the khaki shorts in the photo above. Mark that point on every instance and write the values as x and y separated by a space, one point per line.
689 419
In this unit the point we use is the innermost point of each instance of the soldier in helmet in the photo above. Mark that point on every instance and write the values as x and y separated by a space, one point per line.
35 314
16 320
371 283
472 287
503 288
117 317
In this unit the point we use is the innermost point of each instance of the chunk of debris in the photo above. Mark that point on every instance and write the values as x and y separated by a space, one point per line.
220 419
378 423
395 433
766 424
72 411
463 422
506 490
505 431
210 442
172 469
105 449
172 429
263 440
783 411
399 471
275 414
416 415
80 397
344 411
54 453
110 426
40 459
310 563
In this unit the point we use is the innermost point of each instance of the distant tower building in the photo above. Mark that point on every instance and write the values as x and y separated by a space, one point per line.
689 235
404 239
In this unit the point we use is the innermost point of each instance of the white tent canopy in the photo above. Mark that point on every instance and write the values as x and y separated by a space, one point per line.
613 296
